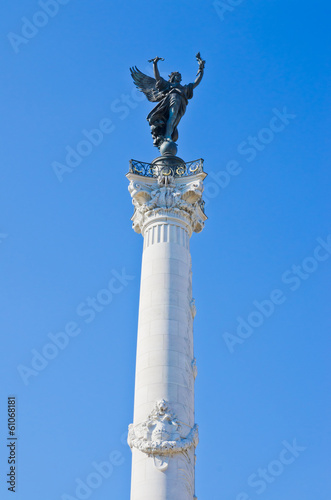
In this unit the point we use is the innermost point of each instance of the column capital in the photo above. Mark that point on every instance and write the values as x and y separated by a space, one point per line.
167 194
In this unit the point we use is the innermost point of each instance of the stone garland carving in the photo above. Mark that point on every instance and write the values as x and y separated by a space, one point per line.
194 368
162 435
167 197
193 308
192 301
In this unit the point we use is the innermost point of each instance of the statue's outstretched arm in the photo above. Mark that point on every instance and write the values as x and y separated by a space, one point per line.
155 68
200 71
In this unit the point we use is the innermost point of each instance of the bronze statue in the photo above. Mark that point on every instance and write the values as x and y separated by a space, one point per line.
172 99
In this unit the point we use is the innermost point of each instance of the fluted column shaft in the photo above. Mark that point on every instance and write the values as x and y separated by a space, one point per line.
163 435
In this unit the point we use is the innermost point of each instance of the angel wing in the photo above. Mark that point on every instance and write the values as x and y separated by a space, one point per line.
146 84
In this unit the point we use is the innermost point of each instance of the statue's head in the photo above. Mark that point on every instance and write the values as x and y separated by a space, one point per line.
175 77
162 406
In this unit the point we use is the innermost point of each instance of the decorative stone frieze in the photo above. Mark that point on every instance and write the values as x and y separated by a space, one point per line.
162 433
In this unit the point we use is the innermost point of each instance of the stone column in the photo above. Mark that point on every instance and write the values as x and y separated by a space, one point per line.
167 197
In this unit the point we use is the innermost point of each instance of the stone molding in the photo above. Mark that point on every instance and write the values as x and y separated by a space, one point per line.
163 232
162 434
177 200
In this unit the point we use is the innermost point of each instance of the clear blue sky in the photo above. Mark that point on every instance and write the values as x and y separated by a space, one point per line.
261 110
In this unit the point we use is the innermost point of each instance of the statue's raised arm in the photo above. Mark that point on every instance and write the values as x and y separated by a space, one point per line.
172 98
155 68
201 70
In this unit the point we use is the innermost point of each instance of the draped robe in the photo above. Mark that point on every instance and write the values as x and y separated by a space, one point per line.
174 96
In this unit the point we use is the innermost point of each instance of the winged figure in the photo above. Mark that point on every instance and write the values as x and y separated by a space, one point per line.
172 98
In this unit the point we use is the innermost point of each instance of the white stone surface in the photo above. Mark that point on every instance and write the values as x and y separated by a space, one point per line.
163 438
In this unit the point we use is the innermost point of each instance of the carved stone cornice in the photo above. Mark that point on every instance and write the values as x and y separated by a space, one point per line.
162 434
167 197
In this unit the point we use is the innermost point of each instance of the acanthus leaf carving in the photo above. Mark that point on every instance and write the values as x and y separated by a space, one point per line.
165 196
